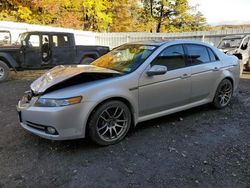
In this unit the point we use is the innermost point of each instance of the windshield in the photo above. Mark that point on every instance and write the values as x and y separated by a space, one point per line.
126 58
230 43
20 38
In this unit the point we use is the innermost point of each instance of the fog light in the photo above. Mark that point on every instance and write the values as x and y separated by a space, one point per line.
51 130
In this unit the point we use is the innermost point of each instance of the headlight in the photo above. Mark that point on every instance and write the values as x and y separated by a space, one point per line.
42 102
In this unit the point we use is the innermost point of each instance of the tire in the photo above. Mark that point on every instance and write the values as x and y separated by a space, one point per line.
223 94
87 60
4 71
109 123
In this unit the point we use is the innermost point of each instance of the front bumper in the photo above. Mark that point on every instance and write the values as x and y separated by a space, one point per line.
69 121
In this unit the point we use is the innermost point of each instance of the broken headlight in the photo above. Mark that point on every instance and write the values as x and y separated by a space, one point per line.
43 102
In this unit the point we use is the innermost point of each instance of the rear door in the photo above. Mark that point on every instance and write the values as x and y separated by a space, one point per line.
205 70
164 92
62 51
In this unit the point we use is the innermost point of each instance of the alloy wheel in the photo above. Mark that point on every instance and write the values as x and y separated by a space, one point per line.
2 72
225 94
112 123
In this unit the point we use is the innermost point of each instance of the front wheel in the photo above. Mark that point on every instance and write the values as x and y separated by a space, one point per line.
109 123
4 71
223 94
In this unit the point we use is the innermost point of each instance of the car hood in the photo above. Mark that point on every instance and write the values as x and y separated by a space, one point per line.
65 76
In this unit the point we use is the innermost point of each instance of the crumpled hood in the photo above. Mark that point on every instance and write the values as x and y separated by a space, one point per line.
62 73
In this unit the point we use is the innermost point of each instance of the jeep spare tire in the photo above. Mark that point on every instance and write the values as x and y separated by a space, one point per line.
4 71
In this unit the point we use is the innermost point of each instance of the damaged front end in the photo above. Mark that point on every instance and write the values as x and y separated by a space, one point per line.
62 77
65 76
36 110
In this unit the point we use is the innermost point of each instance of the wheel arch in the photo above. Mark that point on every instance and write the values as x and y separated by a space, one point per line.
90 55
3 59
6 58
94 56
230 79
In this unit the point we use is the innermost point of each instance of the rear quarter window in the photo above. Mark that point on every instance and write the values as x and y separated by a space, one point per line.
212 55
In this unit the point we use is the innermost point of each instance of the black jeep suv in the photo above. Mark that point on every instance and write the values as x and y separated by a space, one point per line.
38 50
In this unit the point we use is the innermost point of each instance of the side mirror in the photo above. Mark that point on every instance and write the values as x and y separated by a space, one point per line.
23 42
157 70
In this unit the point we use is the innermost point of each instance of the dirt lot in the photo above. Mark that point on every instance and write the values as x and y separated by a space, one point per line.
201 147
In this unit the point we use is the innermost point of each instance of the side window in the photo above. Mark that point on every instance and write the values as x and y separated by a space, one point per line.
172 57
60 41
34 41
197 54
212 55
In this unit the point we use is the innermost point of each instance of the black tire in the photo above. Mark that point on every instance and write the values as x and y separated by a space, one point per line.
4 71
223 94
103 128
87 60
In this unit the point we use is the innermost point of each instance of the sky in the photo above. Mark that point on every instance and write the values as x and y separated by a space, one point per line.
224 11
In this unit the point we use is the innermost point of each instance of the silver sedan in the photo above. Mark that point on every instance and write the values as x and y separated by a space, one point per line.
133 83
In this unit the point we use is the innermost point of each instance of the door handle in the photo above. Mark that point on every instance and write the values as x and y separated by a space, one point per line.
184 76
216 69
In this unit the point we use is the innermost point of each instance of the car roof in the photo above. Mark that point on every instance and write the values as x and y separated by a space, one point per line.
163 42
47 32
235 37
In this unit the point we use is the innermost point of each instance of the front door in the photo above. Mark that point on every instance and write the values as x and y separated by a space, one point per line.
32 52
164 92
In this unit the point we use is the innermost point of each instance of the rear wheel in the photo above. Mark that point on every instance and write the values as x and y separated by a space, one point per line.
109 123
4 71
223 94
87 60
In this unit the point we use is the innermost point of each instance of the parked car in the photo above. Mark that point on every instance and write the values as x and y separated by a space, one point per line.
132 83
39 50
238 45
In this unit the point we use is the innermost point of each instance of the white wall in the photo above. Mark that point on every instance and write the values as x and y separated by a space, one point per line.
82 37
115 39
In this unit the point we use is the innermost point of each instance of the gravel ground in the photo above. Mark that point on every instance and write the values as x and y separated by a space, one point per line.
201 147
